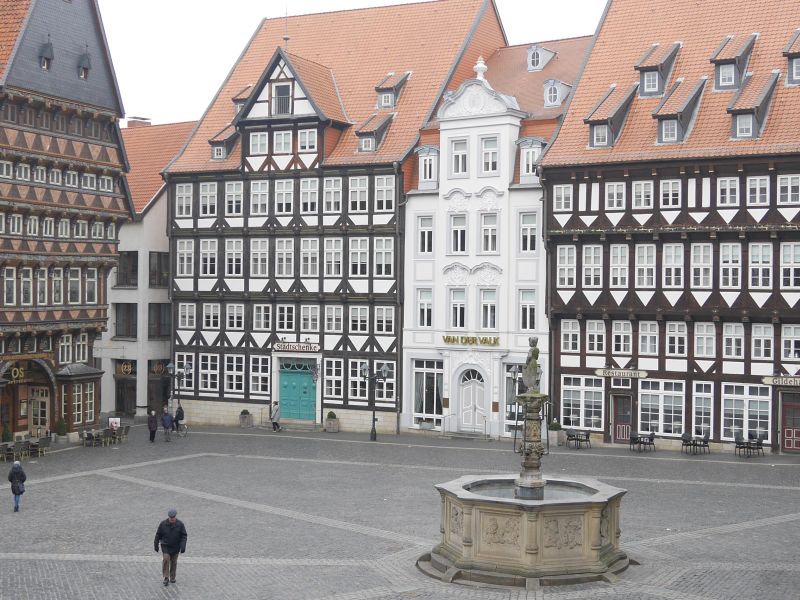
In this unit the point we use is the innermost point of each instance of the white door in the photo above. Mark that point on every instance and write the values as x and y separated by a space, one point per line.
38 399
473 402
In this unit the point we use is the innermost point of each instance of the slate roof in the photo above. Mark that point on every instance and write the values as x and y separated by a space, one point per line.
352 50
629 26
12 19
150 148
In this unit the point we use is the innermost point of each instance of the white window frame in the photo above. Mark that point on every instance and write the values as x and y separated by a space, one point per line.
211 312
490 226
670 193
260 374
595 337
582 402
281 142
489 304
669 130
570 336
307 140
187 315
284 196
358 194
490 156
622 337
334 378
730 266
645 266
592 266
727 75
672 266
642 195
234 317
424 234
309 257
384 193
334 319
705 340
309 318
788 189
733 341
259 257
527 310
566 266
183 199
333 257
208 258
458 234
759 257
728 191
359 257
663 390
208 372
677 339
562 198
762 337
309 196
384 320
742 397
332 195
285 317
358 319
703 408
745 125
262 317
284 257
208 199
650 81
648 338
259 198
234 198
790 266
383 263
758 191
600 135
615 195
184 258
458 308
790 342
425 308
619 259
459 151
702 265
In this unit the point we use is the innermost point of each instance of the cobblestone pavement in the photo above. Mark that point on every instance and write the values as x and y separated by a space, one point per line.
335 517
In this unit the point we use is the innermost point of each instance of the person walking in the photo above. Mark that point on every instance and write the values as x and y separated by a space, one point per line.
275 416
171 534
17 478
178 417
166 422
152 425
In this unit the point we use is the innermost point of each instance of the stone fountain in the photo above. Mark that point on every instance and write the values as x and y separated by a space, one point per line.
527 530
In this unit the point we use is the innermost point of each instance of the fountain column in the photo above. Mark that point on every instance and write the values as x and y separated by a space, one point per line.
530 485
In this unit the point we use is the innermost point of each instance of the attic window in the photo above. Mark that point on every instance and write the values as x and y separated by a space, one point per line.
726 77
744 125
794 70
650 83
84 64
46 55
599 135
669 130
536 59
45 63
218 151
387 100
366 143
551 95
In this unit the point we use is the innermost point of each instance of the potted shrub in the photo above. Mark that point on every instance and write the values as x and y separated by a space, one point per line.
331 422
61 431
245 418
555 431
7 435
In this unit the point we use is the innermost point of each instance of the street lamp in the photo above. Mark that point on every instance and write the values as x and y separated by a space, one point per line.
373 378
176 378
171 371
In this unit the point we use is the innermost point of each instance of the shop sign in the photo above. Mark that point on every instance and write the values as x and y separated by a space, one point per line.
468 340
632 373
295 347
785 381
32 356
126 367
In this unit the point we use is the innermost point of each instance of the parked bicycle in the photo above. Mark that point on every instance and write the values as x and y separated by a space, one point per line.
183 430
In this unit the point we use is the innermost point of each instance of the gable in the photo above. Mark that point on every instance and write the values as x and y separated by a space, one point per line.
269 99
475 98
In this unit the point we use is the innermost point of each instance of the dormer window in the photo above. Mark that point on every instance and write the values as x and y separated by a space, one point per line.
366 143
669 130
84 64
744 125
551 95
536 59
599 135
428 157
45 63
218 152
726 75
390 87
530 150
46 55
386 100
650 83
731 58
794 71
281 99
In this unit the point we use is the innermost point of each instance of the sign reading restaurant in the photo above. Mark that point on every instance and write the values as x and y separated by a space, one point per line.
295 347
633 374
787 381
471 340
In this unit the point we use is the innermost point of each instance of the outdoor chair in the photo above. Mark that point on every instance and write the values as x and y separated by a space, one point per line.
687 442
757 445
108 436
4 451
741 444
649 441
124 433
635 441
20 449
43 446
583 438
703 444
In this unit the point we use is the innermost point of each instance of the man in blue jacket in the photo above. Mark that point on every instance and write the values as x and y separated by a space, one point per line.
166 422
171 534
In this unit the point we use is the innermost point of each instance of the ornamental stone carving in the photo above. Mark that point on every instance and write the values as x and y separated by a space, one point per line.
563 533
501 531
457 200
455 274
487 273
489 197
456 521
604 527
471 358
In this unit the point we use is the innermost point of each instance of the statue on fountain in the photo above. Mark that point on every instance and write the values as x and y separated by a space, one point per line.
530 484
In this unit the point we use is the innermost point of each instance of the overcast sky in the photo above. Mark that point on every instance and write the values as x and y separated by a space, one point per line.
171 56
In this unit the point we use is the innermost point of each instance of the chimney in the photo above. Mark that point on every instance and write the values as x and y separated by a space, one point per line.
138 122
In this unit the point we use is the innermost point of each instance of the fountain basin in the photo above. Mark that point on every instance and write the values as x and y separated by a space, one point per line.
488 535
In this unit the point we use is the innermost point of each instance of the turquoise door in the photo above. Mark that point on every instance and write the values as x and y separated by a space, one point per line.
298 395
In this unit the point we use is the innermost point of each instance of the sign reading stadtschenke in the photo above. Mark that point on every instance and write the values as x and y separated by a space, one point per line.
295 347
621 373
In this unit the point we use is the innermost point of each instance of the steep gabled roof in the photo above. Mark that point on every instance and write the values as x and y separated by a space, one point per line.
12 18
319 82
355 49
150 148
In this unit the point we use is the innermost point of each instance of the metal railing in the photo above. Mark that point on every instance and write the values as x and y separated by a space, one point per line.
281 105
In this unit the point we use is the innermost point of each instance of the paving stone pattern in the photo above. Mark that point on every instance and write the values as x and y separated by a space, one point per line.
335 517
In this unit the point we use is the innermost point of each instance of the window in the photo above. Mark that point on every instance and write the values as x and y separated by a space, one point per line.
385 388
661 406
63 228
728 191
15 225
425 235
760 258
727 75
210 316
309 257
615 196
74 286
359 257
40 174
730 267
595 337
488 300
619 266
733 340
366 143
127 320
458 308
529 160
358 194
562 198
384 193
218 151
65 349
489 155
89 181
284 196
570 335
307 140
89 392
6 169
551 95
333 319
458 234
233 198
704 340
98 230
669 130
592 266
26 286
33 225
757 191
489 233
71 178
642 195
10 285
262 317
536 59
258 143
58 286
744 125
332 191
282 142
359 319
671 193
334 377
309 319
285 317
186 315
746 411
427 168
672 265
111 231
600 135
159 321
703 400
676 339
208 373
259 374
91 286
234 317
358 385
309 193
790 335
81 229
159 269
55 176
77 403
702 261
566 260
622 337
23 172
424 307
384 257
645 265
527 237
789 189
185 258
790 266
384 319
42 283
458 151
762 336
183 199
795 69
582 402
259 198
208 258
259 257
284 257
648 338
650 79
527 310
107 185
333 257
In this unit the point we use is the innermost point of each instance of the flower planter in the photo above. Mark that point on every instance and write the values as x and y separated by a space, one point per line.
332 425
561 437
245 420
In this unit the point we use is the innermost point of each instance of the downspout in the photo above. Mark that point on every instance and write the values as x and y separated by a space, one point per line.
400 202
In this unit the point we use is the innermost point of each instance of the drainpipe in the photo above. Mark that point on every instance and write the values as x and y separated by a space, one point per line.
400 203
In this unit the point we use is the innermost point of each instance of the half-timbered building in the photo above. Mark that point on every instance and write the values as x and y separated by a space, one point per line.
673 193
62 200
475 282
286 210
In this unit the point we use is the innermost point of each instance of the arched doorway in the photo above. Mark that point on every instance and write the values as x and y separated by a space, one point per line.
473 401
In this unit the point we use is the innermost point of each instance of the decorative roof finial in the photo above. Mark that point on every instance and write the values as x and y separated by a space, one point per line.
480 68
286 27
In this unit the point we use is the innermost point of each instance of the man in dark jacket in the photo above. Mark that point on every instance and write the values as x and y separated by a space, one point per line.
171 534
166 422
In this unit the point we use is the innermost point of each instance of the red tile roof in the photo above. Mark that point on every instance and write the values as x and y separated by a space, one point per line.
359 47
12 18
631 25
149 149
320 84
656 55
677 97
754 90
